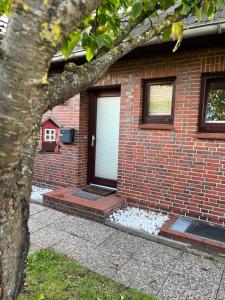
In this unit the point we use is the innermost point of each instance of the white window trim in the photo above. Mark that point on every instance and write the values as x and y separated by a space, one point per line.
51 136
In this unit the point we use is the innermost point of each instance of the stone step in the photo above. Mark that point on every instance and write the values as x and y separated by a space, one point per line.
98 209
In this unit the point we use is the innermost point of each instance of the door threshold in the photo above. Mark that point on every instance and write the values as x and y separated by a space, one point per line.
103 186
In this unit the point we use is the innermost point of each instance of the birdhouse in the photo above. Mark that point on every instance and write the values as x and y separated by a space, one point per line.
50 135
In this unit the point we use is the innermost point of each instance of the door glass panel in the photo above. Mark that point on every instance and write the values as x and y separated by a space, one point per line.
107 137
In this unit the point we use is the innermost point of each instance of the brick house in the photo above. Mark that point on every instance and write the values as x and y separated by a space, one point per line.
153 127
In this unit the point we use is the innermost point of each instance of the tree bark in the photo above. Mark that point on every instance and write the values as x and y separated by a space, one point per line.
34 34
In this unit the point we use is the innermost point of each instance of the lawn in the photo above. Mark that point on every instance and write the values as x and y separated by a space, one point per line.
53 276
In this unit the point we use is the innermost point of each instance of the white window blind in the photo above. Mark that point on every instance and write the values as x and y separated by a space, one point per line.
107 137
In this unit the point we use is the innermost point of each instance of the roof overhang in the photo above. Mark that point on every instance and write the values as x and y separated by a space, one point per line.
212 28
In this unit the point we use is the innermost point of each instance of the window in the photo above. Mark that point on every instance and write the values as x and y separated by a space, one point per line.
158 101
50 135
212 104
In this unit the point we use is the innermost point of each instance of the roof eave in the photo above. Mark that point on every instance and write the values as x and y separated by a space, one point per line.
194 31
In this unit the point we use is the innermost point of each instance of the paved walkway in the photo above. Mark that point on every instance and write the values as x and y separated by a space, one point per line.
156 269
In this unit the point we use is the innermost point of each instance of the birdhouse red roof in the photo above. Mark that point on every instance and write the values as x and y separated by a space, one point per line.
53 120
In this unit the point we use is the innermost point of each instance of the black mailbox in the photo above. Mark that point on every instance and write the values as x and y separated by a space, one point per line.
67 135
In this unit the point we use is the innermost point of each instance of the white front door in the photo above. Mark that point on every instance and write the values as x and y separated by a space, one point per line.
106 140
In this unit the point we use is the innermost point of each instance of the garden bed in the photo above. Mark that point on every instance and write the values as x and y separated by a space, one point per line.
139 219
37 193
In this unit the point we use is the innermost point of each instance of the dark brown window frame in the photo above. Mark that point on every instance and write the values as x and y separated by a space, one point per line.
146 118
203 126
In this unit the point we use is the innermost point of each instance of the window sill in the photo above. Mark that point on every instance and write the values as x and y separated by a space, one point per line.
210 135
157 126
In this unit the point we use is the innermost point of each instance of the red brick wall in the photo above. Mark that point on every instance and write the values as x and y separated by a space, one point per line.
172 170
83 145
162 170
61 169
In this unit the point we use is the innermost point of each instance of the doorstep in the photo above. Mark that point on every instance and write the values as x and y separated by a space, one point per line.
198 242
67 201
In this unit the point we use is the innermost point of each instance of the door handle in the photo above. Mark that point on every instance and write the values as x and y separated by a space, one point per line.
92 140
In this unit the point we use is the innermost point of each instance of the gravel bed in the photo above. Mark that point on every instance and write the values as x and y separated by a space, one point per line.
37 193
139 219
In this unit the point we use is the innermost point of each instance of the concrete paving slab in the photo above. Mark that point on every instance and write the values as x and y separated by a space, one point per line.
86 229
44 238
104 270
89 255
126 244
192 278
36 208
74 247
48 216
35 226
157 254
142 275
100 257
221 290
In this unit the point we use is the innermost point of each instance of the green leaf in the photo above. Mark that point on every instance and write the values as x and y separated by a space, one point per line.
178 43
186 9
205 7
87 20
70 43
149 5
176 30
5 7
198 13
166 34
113 24
211 12
102 19
103 41
86 40
179 40
136 10
165 4
89 54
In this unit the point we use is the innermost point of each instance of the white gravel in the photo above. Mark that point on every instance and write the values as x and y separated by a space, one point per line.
37 193
140 219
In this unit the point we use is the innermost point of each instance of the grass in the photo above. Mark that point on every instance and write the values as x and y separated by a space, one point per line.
53 276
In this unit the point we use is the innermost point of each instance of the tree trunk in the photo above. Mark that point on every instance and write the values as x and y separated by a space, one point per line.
15 236
14 231
18 110
35 32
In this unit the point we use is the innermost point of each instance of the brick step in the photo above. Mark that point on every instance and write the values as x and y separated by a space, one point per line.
97 210
197 242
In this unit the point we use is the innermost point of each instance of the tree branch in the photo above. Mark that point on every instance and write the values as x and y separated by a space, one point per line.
125 32
129 28
39 30
76 79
